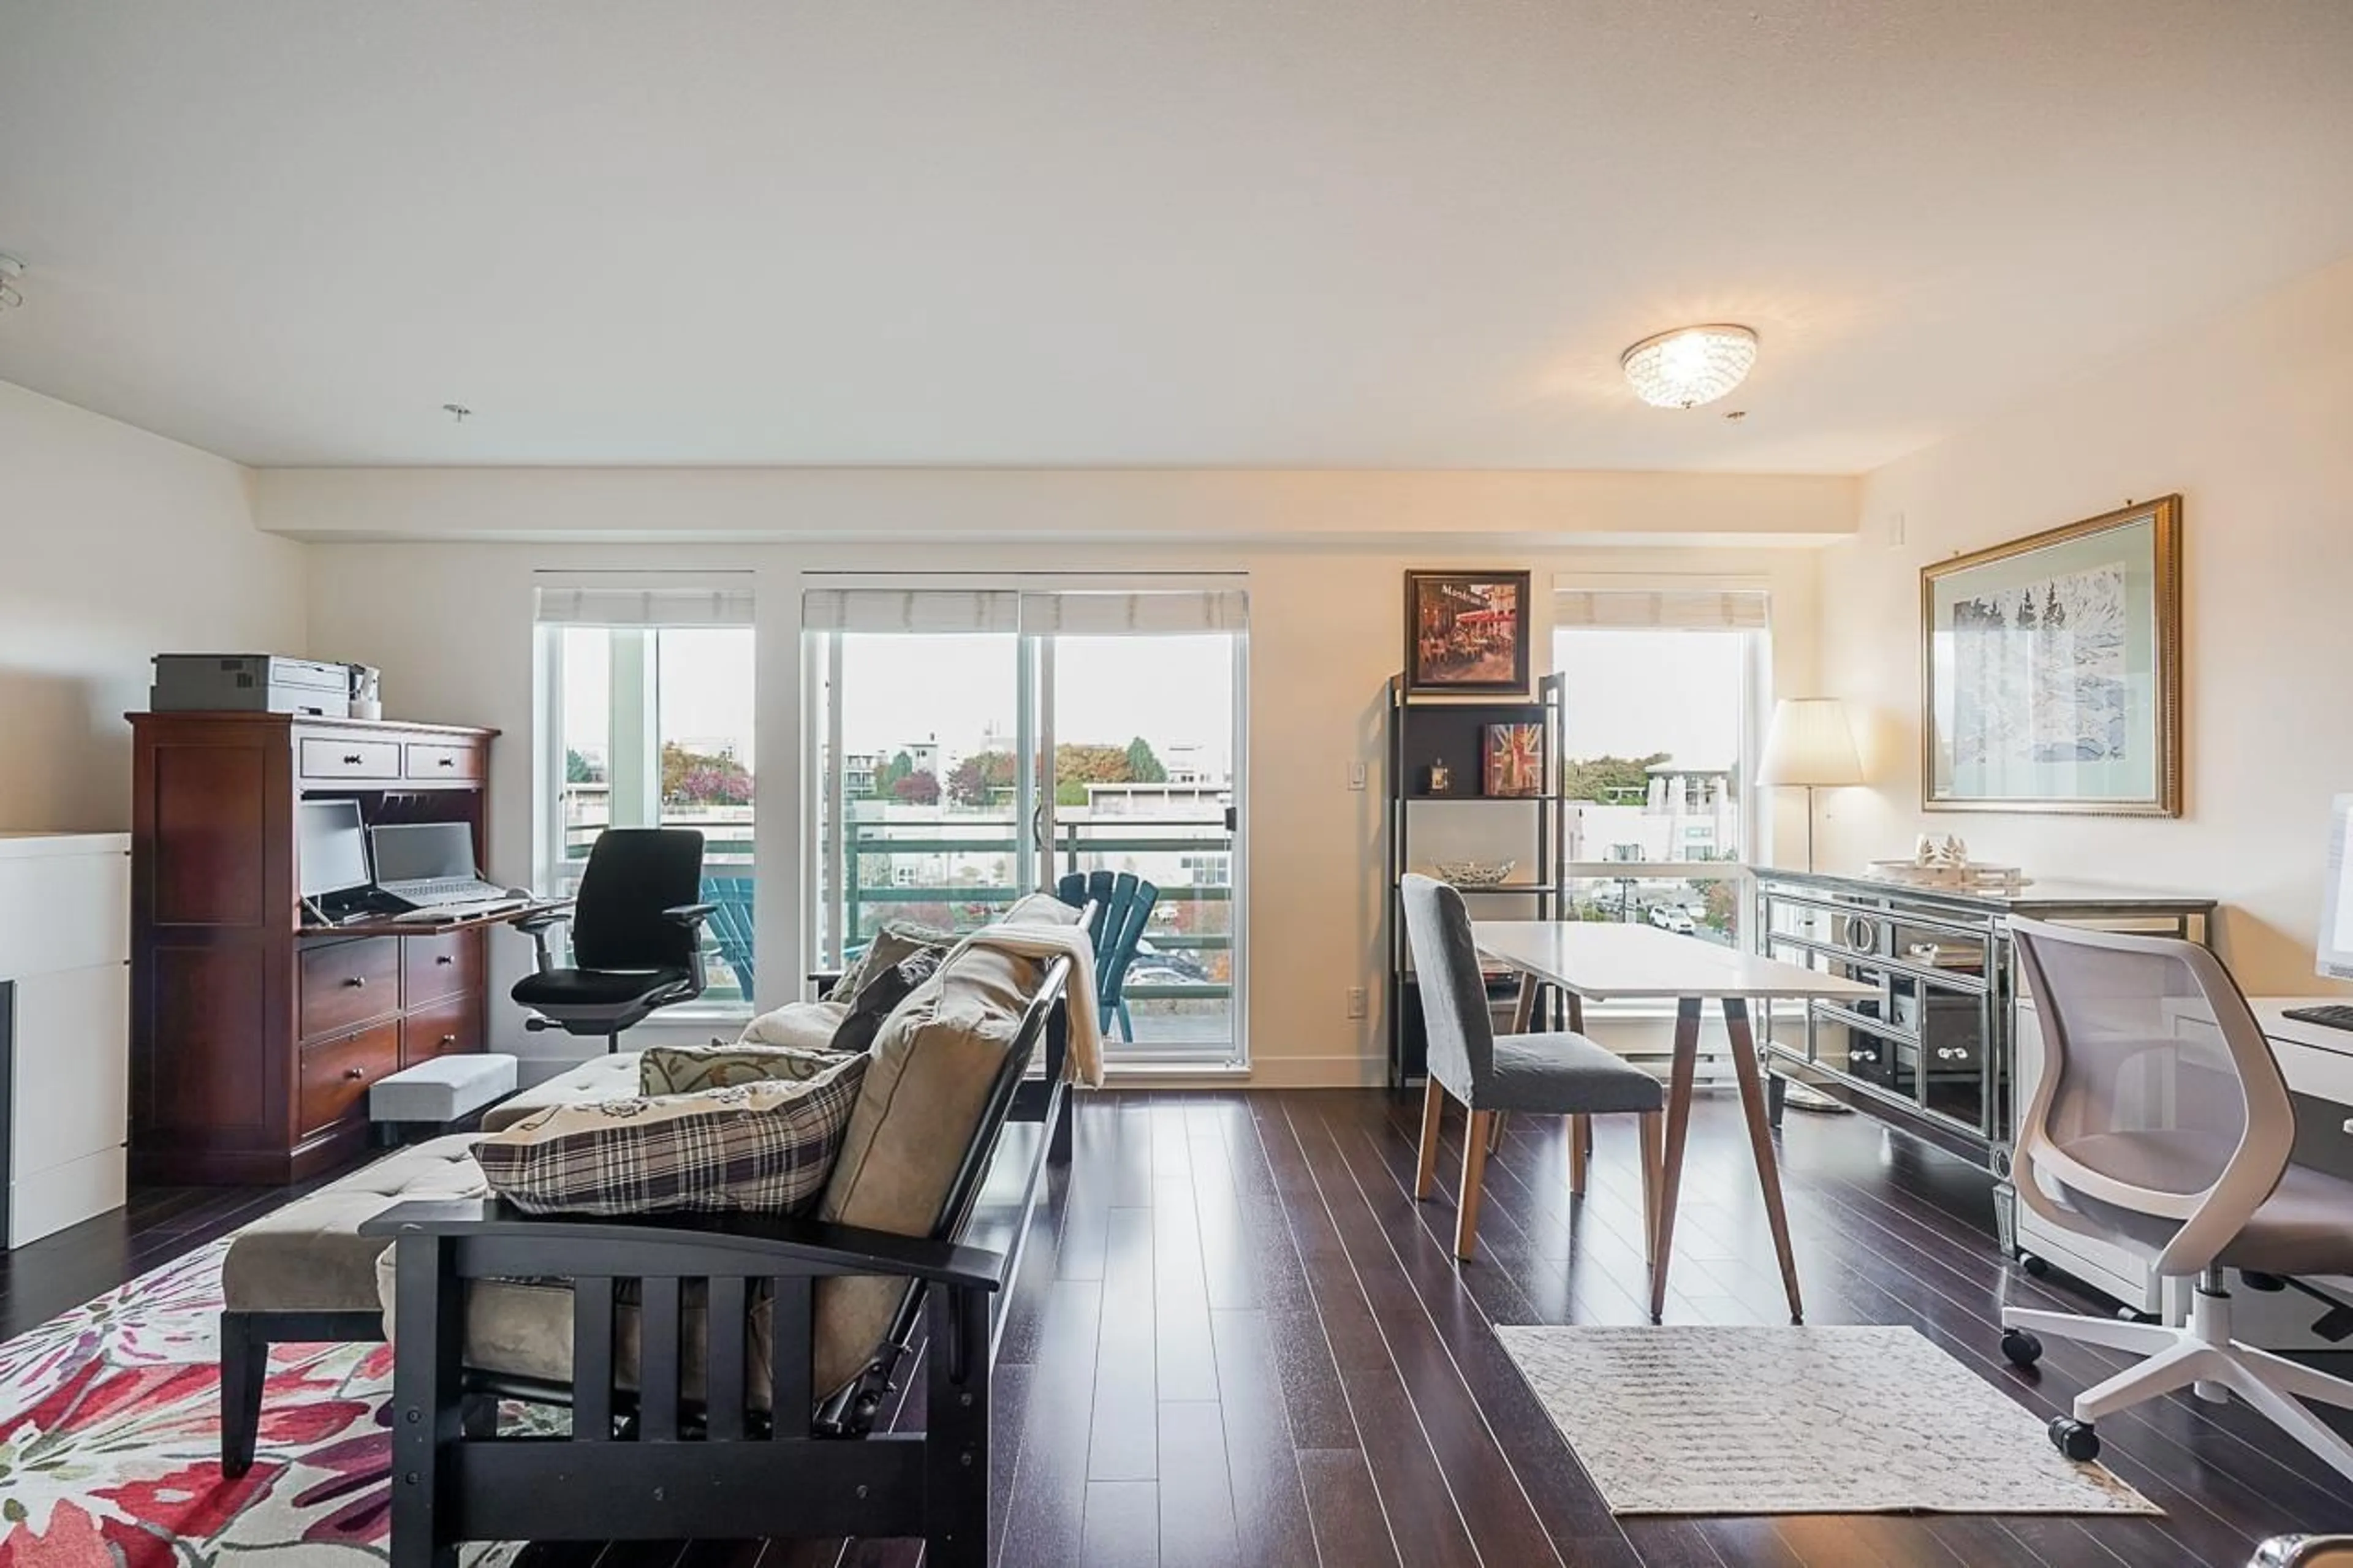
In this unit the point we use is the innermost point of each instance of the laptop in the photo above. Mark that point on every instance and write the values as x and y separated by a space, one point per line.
431 864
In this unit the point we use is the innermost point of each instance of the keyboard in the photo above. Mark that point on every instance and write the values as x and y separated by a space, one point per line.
446 891
2333 1015
459 911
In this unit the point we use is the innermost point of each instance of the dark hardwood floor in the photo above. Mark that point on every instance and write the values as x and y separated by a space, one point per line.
1238 1340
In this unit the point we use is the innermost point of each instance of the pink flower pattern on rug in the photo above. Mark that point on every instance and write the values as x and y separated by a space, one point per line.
109 1440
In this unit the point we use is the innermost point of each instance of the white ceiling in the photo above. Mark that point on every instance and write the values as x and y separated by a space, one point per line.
1346 233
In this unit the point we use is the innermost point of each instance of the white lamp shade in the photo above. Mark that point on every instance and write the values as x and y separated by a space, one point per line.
1810 743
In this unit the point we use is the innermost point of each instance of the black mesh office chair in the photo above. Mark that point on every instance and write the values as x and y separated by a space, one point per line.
636 936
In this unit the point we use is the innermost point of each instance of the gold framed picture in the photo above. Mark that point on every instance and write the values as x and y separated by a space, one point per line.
2052 671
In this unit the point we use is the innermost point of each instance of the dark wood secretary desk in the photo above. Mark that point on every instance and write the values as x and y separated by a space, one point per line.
253 1040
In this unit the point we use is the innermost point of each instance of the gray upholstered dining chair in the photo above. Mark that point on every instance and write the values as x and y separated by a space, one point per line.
2162 1125
1543 1074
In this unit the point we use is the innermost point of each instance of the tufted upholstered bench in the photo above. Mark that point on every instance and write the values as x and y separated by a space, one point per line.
305 1274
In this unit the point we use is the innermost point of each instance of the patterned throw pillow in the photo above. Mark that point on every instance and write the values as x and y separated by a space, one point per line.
764 1147
690 1070
880 995
895 943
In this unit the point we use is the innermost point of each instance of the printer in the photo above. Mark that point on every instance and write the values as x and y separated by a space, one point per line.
250 683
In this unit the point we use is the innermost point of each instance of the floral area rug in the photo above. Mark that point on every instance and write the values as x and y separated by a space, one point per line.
110 1441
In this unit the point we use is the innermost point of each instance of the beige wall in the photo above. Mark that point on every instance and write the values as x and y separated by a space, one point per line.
2248 415
115 545
1323 638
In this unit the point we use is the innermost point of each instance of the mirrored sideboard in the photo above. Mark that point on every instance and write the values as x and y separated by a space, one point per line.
1933 1051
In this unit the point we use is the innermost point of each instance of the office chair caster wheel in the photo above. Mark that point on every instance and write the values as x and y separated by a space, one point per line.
2022 1348
2075 1438
2036 1268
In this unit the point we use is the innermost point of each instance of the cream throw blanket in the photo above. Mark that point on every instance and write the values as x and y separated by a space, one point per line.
1049 942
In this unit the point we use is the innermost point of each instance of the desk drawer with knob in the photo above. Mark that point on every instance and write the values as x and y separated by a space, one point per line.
442 1028
348 982
336 1075
432 967
430 763
336 757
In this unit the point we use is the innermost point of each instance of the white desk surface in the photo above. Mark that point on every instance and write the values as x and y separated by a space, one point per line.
1604 961
2269 1012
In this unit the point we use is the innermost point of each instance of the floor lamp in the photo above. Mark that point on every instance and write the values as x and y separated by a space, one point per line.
1810 747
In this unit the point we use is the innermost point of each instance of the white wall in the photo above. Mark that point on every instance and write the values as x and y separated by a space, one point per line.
2248 415
1325 637
115 545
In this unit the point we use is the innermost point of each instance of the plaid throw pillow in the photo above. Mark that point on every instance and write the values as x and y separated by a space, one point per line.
768 1147
690 1070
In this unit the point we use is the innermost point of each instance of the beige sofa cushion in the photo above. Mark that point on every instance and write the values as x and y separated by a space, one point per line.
522 1328
932 1065
310 1256
609 1076
800 1025
764 1147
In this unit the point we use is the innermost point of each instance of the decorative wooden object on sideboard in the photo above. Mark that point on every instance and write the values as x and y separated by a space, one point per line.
253 1040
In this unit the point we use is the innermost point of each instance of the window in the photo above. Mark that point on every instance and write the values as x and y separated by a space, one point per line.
648 701
1661 690
976 742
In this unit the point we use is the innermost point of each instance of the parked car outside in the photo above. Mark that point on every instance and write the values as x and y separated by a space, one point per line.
1667 917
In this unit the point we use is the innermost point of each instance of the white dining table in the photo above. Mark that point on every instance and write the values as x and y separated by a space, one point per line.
1591 960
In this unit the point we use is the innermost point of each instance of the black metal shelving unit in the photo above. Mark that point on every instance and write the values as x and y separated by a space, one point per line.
1425 729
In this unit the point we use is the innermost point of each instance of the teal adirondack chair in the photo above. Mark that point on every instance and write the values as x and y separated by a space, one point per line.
1125 903
731 924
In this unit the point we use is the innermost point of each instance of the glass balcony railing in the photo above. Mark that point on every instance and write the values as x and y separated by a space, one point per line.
957 872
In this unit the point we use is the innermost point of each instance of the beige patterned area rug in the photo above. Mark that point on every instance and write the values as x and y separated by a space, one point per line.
1677 1419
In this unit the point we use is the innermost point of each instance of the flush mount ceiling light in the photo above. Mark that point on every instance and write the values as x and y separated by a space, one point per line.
1691 365
11 270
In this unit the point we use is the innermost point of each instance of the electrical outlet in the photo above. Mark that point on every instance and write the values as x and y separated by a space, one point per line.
1895 531
1356 1001
1355 775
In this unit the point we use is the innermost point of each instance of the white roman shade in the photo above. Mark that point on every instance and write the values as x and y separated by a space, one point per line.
1663 609
936 611
1086 611
722 599
1033 612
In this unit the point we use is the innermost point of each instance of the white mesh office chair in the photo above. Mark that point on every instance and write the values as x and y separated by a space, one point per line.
2161 1124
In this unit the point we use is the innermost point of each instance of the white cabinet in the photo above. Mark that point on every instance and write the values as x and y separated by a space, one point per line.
65 948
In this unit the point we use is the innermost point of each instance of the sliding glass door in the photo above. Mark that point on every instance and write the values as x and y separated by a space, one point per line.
976 745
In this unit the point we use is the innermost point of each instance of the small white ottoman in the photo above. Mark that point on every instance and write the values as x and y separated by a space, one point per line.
441 1091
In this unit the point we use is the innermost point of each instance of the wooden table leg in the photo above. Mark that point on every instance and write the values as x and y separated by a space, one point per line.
1671 1164
1760 1143
1651 1158
1524 1010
